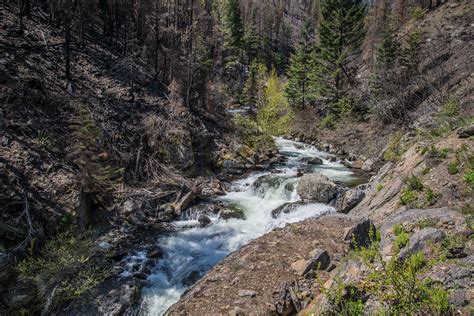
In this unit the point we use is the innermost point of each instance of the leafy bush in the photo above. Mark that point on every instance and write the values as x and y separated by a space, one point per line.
408 196
432 197
65 263
275 115
400 283
453 168
329 121
401 240
469 179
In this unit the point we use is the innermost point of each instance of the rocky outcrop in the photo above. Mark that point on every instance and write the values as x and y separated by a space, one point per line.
350 198
316 187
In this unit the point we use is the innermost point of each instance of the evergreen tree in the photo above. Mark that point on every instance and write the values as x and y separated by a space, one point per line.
303 71
255 84
385 57
252 41
233 26
341 34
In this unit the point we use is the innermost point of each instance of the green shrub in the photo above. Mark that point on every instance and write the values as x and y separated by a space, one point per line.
432 197
418 13
414 183
67 263
453 168
329 121
426 171
469 179
400 284
408 196
401 240
379 187
427 222
398 229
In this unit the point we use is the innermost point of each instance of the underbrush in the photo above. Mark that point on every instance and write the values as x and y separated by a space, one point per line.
399 286
66 267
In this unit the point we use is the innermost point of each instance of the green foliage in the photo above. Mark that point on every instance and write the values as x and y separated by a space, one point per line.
418 13
233 26
255 84
303 71
394 149
402 240
341 33
66 263
414 183
453 168
427 222
400 284
379 187
329 121
408 196
469 179
345 299
432 197
275 115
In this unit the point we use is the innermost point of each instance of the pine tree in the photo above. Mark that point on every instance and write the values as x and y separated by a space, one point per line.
252 41
385 57
233 25
303 71
255 84
341 34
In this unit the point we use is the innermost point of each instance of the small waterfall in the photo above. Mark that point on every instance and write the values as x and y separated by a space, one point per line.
191 252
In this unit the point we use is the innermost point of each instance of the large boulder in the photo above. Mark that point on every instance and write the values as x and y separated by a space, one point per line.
286 209
420 241
350 198
312 160
361 234
316 187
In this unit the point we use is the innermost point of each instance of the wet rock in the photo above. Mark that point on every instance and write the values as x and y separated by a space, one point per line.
316 188
117 301
286 209
155 253
350 198
466 132
312 160
192 278
230 213
247 293
361 234
204 220
420 240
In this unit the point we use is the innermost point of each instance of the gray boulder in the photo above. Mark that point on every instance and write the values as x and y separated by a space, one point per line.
312 160
350 198
361 234
286 209
316 187
230 213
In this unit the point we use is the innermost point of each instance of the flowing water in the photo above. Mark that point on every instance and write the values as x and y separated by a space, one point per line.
191 252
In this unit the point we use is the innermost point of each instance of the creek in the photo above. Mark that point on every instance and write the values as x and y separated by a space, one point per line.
194 250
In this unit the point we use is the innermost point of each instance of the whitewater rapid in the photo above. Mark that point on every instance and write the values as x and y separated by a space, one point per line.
191 252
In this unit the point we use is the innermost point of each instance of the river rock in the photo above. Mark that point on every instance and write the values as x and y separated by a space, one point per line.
466 131
312 160
350 198
316 187
230 213
155 253
286 209
361 233
204 220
